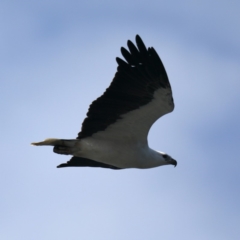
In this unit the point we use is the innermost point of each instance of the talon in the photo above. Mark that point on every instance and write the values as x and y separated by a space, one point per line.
62 150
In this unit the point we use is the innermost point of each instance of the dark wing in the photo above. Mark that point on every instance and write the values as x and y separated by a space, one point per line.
133 87
85 162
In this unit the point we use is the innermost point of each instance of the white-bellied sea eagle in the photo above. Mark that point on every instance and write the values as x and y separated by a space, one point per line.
114 133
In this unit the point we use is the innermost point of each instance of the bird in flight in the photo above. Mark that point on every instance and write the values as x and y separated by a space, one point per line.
114 133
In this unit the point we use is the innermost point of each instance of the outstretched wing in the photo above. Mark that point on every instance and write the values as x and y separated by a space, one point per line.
85 162
139 94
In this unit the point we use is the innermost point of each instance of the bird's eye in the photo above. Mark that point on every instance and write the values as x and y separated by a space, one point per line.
165 156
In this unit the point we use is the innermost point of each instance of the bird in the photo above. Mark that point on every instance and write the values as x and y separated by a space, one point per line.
115 130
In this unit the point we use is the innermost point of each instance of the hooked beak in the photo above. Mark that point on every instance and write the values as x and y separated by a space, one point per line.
173 162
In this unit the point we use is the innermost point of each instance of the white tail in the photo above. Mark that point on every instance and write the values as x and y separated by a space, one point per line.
48 142
61 146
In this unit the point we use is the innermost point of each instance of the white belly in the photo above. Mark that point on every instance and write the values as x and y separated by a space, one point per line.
119 154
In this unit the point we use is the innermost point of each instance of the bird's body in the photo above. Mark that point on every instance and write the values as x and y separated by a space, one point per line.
116 153
114 134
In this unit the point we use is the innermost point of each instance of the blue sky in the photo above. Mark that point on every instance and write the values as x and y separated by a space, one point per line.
57 57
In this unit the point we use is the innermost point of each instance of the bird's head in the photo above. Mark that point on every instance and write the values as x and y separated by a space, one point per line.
168 159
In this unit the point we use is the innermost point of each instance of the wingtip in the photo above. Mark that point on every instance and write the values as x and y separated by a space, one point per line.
137 35
140 44
62 165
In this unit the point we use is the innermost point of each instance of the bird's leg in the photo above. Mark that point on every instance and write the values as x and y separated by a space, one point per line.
61 149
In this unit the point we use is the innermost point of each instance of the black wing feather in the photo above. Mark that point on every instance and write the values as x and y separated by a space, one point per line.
85 162
133 86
